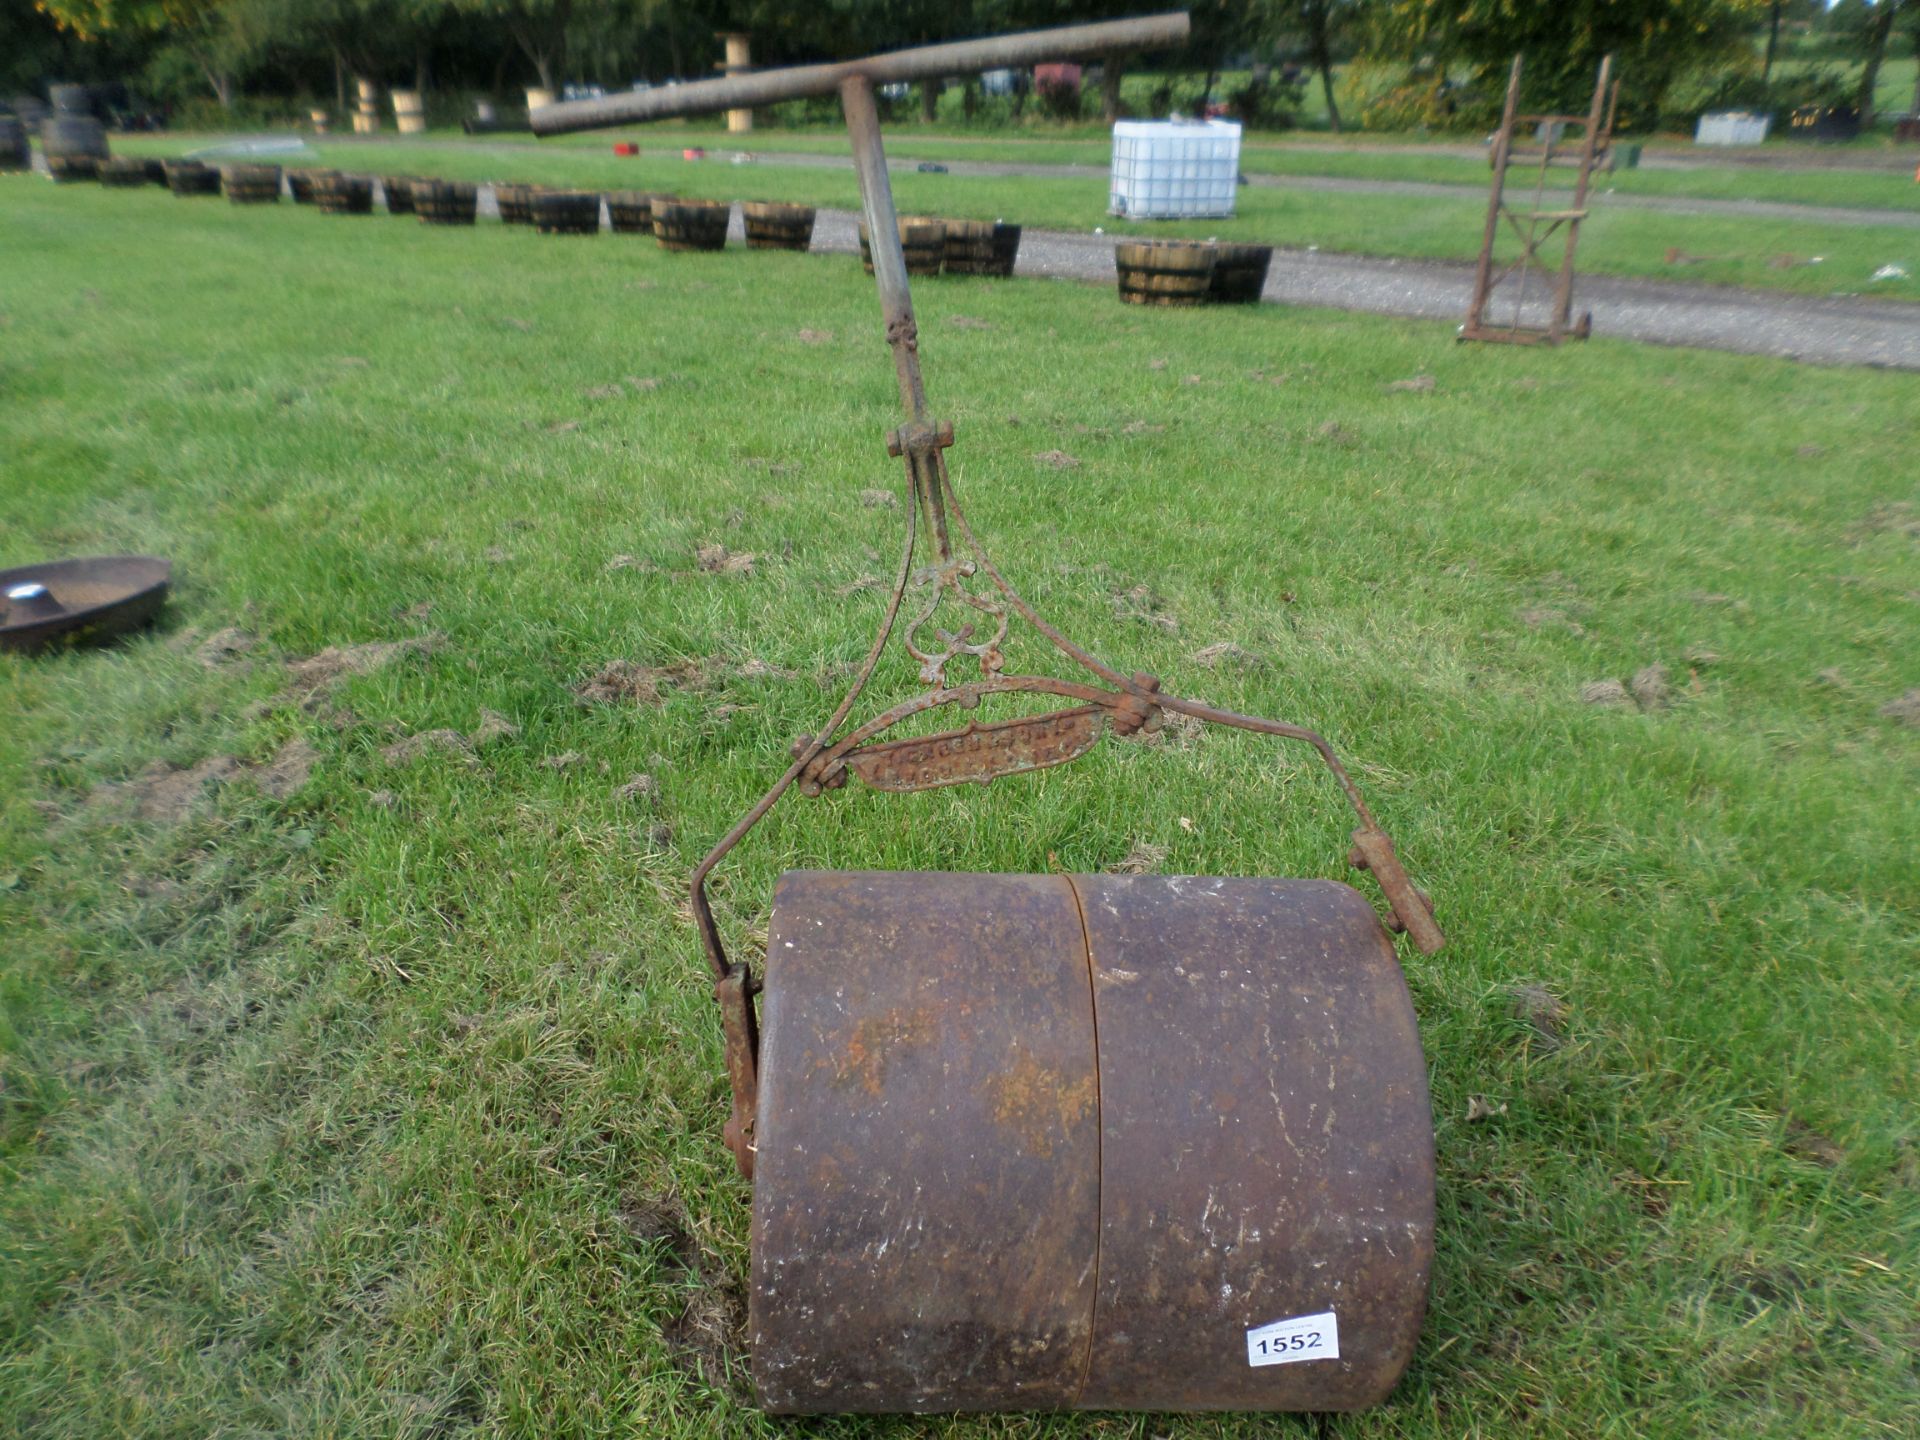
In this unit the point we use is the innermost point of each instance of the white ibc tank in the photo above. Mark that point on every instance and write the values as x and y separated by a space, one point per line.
1169 169
1732 127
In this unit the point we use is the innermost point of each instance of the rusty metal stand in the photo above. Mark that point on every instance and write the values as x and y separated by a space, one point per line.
1594 150
1122 704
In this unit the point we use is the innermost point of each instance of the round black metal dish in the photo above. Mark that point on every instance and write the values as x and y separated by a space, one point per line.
90 598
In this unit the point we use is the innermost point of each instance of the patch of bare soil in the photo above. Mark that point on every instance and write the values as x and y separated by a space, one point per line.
165 794
1543 1012
223 647
625 681
287 772
1419 384
968 322
1906 709
1892 517
879 500
1145 604
708 1337
716 559
640 789
1057 459
1536 616
813 337
1225 652
1807 1143
1143 859
1650 687
427 742
1334 433
493 726
1609 694
337 662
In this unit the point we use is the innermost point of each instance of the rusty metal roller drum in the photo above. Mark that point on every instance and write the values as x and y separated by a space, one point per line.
1031 1142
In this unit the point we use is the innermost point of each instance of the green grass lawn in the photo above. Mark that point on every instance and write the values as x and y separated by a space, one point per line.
1769 254
1357 157
387 1101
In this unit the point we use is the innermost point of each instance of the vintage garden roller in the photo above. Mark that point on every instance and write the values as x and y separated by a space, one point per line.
1032 1142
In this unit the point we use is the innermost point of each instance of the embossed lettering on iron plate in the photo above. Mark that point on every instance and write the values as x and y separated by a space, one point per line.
979 752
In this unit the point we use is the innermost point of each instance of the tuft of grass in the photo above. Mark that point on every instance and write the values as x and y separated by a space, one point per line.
391 1106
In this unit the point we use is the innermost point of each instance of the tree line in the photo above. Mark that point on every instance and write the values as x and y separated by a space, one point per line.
1399 63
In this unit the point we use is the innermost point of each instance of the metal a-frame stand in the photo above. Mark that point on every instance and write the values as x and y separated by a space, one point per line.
1594 149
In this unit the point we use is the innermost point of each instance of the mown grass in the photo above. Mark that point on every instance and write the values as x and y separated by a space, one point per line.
1777 255
1344 157
392 1108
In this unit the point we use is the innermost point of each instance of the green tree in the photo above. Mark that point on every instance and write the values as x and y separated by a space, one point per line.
1875 30
1321 26
538 27
202 29
1654 42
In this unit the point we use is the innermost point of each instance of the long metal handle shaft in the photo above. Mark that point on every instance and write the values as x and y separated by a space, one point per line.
929 62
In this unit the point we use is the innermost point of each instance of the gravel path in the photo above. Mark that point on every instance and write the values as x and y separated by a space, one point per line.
1713 317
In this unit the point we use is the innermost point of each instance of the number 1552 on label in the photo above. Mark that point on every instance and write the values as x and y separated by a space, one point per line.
1303 1337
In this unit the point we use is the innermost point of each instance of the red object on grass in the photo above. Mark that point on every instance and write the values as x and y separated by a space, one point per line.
625 147
693 152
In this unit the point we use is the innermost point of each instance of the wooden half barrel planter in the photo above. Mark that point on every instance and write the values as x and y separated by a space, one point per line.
122 174
923 240
514 202
691 224
300 184
338 194
251 184
980 247
1190 272
445 202
74 146
190 177
16 151
773 226
1240 273
567 212
398 192
630 212
1164 272
968 247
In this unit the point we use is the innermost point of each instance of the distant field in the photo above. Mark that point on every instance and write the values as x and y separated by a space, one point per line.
1769 254
358 1072
1348 156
